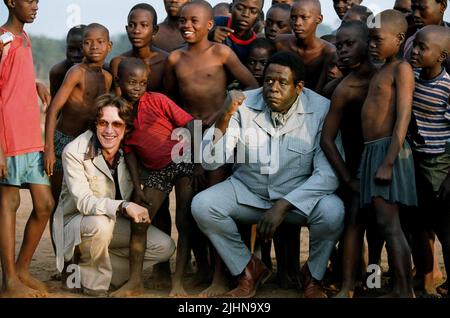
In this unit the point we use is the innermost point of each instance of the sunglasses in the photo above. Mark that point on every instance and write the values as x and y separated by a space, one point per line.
117 125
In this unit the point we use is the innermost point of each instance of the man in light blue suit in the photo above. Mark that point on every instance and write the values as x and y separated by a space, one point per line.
280 173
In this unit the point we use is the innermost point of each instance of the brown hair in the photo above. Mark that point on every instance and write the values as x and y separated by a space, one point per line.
125 110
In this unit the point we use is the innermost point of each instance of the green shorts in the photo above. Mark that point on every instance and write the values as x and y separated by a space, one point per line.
25 169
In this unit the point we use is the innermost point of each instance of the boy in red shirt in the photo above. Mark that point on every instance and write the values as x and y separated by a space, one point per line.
150 146
21 158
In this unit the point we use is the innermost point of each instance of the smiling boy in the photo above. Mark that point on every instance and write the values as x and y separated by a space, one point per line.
74 102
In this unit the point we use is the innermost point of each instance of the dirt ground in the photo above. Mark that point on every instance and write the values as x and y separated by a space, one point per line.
43 265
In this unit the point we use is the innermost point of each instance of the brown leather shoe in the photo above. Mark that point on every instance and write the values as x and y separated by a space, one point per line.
254 274
312 287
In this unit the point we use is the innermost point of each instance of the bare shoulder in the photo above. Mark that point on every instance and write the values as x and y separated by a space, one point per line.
221 50
107 74
344 90
115 61
58 69
328 48
160 52
76 72
403 68
175 56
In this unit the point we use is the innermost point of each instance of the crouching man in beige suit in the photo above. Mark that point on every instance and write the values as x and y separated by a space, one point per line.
94 213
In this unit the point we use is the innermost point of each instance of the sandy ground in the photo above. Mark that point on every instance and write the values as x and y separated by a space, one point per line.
43 264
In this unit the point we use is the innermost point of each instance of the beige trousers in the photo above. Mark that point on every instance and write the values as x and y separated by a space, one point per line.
105 250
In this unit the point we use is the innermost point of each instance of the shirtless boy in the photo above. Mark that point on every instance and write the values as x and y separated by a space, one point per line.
141 29
197 73
74 55
345 115
169 38
387 167
75 99
315 52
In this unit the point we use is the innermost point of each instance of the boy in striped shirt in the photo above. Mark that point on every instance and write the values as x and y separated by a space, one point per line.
431 109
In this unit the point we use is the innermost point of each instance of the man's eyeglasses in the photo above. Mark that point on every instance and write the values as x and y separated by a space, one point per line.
117 125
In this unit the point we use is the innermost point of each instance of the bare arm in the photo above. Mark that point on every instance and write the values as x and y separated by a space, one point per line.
114 66
404 86
54 80
238 70
70 81
330 131
3 169
169 78
323 76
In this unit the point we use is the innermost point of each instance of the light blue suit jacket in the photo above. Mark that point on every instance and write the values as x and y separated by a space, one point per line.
272 163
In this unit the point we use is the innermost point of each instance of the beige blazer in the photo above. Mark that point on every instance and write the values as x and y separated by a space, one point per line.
88 188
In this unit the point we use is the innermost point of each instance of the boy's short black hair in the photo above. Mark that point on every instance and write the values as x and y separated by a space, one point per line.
205 4
362 28
291 60
130 63
282 6
146 7
393 20
263 43
363 11
76 30
96 26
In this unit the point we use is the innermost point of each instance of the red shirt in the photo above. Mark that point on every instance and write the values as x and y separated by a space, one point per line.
20 127
157 117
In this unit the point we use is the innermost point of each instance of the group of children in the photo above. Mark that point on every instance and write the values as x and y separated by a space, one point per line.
390 101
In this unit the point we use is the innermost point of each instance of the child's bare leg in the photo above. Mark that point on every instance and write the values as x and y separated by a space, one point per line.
161 272
163 221
138 243
9 204
184 221
219 285
397 247
56 183
353 243
442 229
199 246
375 242
43 204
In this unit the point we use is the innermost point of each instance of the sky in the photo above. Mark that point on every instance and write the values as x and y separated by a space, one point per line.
55 17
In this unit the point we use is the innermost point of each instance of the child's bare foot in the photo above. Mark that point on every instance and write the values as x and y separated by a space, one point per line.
129 289
214 290
32 282
16 289
177 291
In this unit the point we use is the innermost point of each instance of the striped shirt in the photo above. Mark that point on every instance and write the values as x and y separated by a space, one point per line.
432 111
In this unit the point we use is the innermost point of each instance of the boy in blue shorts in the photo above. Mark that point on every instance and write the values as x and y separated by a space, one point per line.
21 158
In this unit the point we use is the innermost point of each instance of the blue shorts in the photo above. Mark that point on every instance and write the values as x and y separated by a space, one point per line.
25 169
